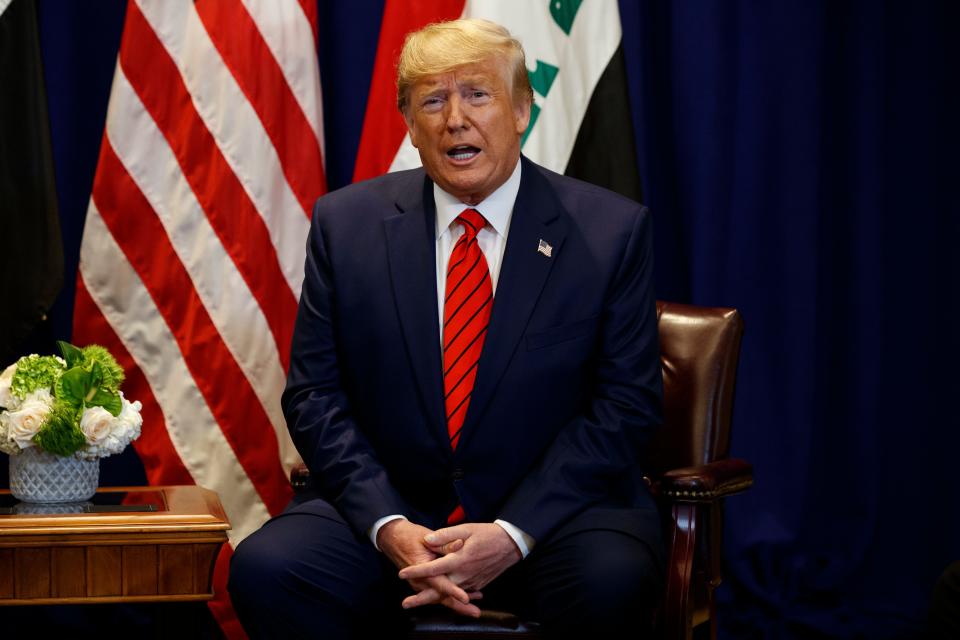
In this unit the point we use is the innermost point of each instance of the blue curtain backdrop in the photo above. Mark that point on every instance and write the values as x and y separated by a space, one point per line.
801 162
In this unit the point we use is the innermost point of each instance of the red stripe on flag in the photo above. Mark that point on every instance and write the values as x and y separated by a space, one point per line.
220 606
234 218
240 43
383 126
227 392
160 459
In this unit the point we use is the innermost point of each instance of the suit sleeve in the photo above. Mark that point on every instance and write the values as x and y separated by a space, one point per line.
595 450
341 460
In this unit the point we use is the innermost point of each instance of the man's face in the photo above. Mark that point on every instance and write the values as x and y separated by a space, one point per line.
467 128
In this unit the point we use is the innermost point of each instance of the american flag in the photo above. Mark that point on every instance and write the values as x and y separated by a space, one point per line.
192 255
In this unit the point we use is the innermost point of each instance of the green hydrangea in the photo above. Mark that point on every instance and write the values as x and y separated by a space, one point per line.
36 372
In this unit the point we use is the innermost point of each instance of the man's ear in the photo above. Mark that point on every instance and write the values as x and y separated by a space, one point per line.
521 113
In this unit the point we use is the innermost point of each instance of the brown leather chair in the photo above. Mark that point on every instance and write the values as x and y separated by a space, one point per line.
689 472
688 462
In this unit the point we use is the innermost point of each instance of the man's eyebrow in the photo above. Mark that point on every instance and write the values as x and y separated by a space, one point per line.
474 79
433 92
427 88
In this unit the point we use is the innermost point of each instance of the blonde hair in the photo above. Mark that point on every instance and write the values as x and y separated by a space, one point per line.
443 46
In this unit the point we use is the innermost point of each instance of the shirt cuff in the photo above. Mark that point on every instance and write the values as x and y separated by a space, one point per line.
523 540
375 529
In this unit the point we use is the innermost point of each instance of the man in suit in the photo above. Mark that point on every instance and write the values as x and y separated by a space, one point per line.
474 370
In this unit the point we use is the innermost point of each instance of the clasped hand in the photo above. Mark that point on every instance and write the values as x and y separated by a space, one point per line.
448 566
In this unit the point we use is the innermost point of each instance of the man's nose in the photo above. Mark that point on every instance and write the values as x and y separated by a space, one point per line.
456 118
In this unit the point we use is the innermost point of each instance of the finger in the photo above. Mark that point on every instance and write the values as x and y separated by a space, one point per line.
475 595
446 587
450 547
470 610
449 534
438 567
427 596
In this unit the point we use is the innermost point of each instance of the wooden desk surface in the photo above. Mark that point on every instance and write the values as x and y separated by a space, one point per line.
115 556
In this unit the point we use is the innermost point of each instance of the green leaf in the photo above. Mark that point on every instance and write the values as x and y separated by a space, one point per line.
108 400
70 353
80 388
73 386
94 382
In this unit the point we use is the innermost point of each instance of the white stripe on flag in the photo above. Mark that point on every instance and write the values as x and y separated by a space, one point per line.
127 305
145 154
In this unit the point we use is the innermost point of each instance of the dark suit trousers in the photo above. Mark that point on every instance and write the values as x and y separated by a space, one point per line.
307 574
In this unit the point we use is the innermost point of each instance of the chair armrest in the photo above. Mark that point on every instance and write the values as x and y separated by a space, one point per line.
705 483
300 478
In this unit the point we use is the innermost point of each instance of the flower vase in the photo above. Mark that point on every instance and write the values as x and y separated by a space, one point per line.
38 476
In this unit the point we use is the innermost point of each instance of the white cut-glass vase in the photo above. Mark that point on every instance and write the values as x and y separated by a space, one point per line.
38 476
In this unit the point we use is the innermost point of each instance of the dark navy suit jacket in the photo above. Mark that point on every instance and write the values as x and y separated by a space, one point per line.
568 387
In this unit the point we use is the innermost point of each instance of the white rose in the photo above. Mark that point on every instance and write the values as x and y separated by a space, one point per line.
7 399
24 423
114 438
96 423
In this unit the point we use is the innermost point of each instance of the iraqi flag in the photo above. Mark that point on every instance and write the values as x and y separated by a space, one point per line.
580 122
192 255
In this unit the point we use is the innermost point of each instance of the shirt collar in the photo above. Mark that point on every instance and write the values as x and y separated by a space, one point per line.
497 208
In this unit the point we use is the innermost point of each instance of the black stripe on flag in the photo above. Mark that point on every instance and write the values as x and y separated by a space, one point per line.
604 152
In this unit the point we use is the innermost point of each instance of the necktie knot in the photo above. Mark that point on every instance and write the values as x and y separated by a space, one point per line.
472 221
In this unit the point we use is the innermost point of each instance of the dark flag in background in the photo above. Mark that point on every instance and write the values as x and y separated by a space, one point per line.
31 262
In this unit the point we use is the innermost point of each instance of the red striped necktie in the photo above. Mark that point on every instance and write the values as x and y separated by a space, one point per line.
466 314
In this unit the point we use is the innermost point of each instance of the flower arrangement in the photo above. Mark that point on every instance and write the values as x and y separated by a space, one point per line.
69 406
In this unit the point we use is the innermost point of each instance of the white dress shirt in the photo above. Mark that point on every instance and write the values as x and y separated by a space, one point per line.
497 209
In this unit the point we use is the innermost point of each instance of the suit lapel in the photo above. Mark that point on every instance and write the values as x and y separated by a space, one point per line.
524 271
411 250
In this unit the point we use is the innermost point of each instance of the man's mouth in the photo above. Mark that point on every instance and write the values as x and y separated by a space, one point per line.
462 152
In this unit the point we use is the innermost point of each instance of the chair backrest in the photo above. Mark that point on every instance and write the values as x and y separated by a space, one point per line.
699 351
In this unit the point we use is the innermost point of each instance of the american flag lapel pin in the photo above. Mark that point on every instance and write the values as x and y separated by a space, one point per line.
544 248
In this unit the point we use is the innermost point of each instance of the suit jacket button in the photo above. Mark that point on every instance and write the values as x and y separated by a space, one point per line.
457 474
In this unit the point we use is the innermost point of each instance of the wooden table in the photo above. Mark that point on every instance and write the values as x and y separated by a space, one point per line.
154 544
